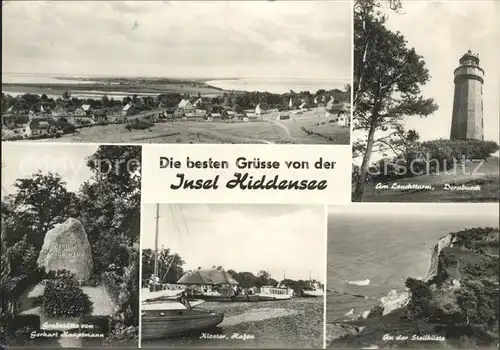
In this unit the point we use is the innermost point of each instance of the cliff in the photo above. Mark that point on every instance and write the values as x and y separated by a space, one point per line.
455 305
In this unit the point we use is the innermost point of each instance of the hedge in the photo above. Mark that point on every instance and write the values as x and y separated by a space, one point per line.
64 297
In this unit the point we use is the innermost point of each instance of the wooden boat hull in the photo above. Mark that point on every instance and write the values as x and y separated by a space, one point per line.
235 298
273 298
311 294
170 323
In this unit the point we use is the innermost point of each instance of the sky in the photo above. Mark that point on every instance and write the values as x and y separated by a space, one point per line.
254 39
282 239
442 32
22 160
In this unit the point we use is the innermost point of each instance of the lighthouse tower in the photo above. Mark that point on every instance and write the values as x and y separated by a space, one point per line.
467 118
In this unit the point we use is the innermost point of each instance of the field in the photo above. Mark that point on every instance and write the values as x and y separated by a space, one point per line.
487 177
269 131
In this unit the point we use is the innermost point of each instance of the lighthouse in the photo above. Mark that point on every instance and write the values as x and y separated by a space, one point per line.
467 117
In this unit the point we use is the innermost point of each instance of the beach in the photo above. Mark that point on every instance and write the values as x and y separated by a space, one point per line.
295 323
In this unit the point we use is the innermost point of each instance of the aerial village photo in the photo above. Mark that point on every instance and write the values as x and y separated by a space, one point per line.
70 246
436 289
432 135
232 276
214 72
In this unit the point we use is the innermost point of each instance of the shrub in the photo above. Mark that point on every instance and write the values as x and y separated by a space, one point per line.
421 296
122 335
64 297
138 125
60 275
478 300
447 151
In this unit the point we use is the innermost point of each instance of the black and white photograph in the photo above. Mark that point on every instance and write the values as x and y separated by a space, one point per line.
413 276
70 245
237 72
233 276
426 101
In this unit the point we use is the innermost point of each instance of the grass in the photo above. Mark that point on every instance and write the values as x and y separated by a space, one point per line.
217 132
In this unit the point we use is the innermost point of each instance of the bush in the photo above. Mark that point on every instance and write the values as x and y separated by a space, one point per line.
448 151
64 297
421 296
122 335
138 125
478 300
16 330
111 281
60 275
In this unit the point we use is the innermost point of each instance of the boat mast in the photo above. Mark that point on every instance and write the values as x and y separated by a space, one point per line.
156 246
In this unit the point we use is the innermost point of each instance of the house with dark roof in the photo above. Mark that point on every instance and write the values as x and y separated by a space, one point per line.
38 127
59 111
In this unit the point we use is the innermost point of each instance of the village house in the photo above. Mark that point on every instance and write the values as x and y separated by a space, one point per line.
343 116
128 109
185 106
59 111
84 111
168 112
198 103
99 116
261 109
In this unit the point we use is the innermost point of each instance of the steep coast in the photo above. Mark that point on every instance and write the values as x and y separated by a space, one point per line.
455 305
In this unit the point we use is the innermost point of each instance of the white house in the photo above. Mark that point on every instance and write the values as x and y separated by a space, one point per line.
197 103
329 107
127 109
258 110
185 105
343 116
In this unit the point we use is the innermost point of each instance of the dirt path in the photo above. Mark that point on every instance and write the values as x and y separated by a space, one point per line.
282 126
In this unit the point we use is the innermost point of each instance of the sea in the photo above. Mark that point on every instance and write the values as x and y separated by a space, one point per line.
278 86
296 324
384 250
273 85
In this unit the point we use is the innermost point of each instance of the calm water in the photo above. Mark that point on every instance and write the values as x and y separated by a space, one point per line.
22 78
278 86
384 250
296 323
